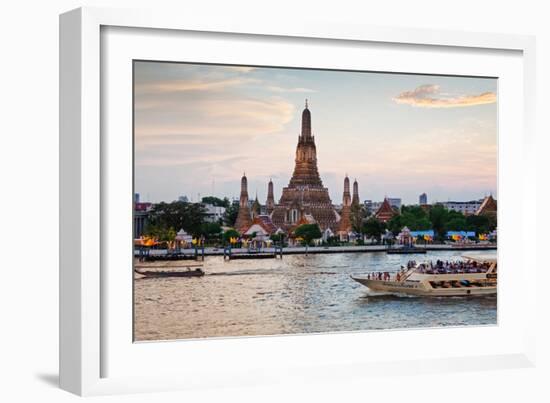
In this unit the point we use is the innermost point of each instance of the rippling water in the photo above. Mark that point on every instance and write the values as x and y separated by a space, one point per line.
298 294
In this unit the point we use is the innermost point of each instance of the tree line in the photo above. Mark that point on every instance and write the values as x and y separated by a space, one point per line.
437 218
165 219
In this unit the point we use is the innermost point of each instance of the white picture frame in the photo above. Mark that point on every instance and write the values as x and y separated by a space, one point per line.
88 319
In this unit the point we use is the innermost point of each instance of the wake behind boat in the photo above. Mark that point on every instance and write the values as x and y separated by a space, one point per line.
477 275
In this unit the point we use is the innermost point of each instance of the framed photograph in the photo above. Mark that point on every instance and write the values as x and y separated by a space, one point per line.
245 205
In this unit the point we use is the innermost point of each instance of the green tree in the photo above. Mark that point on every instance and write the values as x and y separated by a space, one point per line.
373 228
211 230
231 213
177 215
457 224
358 215
230 233
395 224
216 201
478 223
277 238
160 233
438 218
308 232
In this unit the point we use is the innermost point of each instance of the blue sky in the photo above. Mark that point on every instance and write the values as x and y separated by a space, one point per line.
199 127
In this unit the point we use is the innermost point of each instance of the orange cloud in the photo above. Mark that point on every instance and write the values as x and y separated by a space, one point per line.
191 85
429 96
198 120
275 88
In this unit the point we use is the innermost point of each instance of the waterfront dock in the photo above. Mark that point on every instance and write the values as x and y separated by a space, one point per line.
230 253
267 253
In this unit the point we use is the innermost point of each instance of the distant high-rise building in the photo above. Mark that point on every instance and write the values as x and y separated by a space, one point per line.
136 197
368 206
395 202
423 199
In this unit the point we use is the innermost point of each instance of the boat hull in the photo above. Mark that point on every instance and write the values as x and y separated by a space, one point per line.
156 273
419 289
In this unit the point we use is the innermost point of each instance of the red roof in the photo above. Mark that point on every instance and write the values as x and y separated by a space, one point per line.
385 212
142 206
265 222
489 206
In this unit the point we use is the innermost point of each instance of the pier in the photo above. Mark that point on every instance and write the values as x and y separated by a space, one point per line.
152 255
230 253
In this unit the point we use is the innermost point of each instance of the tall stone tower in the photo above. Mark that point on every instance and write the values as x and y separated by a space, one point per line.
355 200
244 218
356 209
305 194
345 216
270 202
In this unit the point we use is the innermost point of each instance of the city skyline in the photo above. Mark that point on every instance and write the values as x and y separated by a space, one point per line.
199 127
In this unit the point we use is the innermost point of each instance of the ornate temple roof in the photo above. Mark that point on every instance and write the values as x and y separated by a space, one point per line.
264 222
488 206
385 212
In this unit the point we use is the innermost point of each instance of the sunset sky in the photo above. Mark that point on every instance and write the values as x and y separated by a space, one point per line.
199 127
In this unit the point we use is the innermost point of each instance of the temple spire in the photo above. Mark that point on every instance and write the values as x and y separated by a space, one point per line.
355 199
305 193
270 202
243 217
344 226
346 199
306 123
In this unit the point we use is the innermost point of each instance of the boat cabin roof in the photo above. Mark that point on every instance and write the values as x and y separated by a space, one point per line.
481 258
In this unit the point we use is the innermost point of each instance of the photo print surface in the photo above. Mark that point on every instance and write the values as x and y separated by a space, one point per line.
271 201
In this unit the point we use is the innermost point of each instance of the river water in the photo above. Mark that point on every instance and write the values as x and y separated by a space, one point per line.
296 294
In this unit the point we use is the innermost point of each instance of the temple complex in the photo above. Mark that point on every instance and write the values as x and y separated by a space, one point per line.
385 212
305 193
244 218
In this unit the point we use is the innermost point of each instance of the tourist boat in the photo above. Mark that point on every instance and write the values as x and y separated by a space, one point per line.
478 276
169 271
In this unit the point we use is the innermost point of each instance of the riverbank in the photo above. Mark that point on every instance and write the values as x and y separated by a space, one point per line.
301 250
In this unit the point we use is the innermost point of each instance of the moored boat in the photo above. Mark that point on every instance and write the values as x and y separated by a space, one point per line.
476 275
169 271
